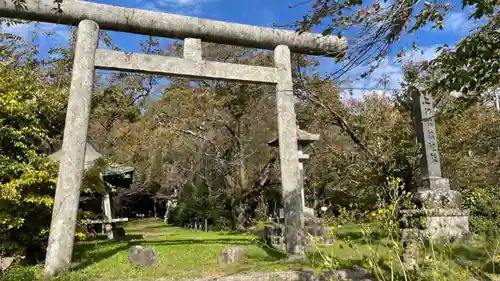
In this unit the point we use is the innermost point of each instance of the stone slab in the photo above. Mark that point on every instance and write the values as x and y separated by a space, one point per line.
190 68
438 198
435 183
232 256
426 133
353 274
448 228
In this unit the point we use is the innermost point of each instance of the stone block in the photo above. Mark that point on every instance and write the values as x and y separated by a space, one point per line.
119 233
449 227
138 255
351 274
5 262
442 225
438 198
232 256
435 183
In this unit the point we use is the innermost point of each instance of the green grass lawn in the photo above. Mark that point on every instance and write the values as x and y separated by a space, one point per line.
183 253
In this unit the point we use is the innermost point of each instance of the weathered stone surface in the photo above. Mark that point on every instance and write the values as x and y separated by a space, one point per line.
193 49
162 65
304 138
450 228
274 235
355 274
288 147
426 134
5 262
438 198
138 255
174 26
438 202
64 214
315 234
232 256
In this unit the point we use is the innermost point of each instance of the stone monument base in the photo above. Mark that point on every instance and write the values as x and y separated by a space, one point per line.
274 235
441 225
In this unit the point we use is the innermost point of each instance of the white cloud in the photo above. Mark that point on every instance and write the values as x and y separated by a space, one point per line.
388 75
184 7
422 54
459 22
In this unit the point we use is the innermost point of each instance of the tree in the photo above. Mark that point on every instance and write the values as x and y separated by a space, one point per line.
32 111
471 68
27 178
374 27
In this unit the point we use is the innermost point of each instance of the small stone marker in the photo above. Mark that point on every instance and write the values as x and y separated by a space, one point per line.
138 255
5 262
232 256
119 233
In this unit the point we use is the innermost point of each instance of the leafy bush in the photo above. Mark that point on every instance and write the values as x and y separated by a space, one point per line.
27 178
484 210
376 244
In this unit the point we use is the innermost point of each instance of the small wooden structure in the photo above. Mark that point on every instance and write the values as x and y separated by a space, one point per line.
116 176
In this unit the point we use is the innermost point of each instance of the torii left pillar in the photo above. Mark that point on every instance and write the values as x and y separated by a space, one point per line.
66 201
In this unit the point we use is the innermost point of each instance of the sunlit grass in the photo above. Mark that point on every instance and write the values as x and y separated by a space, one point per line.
183 253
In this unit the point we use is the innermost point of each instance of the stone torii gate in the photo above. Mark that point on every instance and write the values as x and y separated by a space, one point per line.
91 17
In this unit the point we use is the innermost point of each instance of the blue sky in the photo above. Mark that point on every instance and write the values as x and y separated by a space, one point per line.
262 13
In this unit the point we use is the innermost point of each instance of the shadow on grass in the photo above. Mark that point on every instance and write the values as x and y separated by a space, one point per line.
358 236
272 253
466 256
86 254
17 272
128 237
84 259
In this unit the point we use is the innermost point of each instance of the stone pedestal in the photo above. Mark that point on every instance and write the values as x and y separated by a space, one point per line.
313 234
441 206
439 224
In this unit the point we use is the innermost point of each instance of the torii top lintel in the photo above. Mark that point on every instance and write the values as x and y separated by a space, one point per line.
173 26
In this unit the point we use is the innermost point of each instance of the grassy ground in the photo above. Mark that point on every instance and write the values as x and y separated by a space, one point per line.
183 253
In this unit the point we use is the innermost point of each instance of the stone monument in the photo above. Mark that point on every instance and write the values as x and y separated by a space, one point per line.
92 17
438 205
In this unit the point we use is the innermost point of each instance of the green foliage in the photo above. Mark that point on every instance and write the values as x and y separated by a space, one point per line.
472 67
93 178
484 210
374 242
27 179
